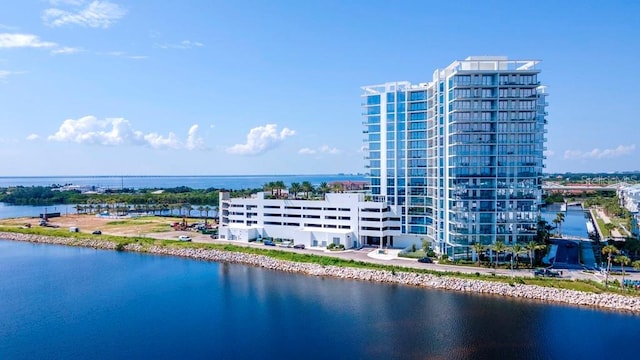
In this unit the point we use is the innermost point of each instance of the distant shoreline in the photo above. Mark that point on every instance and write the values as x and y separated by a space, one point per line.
515 290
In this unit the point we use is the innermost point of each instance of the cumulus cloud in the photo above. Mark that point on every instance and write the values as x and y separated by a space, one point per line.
261 139
32 137
194 141
119 131
324 149
8 40
599 154
184 44
97 14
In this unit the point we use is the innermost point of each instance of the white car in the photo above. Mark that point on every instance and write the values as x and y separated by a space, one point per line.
184 238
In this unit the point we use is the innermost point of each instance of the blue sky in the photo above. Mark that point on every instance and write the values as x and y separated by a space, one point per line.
146 87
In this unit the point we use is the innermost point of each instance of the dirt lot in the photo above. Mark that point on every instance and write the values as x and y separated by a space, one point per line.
148 226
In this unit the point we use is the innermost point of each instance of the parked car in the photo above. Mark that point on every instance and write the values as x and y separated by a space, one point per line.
426 260
97 232
269 243
298 246
546 272
184 238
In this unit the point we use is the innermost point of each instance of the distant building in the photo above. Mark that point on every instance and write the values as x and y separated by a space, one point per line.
341 218
460 158
630 199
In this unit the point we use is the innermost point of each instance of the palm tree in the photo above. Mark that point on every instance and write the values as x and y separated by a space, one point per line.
560 218
636 265
294 189
516 249
200 209
478 248
324 188
79 209
622 260
337 187
498 247
608 250
270 186
557 222
531 247
543 231
307 188
279 186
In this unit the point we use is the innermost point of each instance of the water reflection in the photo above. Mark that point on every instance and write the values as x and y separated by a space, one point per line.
143 306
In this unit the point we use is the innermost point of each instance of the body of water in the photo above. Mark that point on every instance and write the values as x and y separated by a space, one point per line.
61 302
575 220
194 182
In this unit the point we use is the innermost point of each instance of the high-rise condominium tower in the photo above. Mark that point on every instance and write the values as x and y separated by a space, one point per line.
460 158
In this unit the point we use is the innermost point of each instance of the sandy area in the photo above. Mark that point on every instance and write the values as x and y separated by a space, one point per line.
148 226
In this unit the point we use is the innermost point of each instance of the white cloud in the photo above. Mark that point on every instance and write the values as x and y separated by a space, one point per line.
97 14
599 154
66 50
194 141
32 137
549 153
23 41
66 2
261 139
306 151
123 54
184 44
6 73
119 131
324 149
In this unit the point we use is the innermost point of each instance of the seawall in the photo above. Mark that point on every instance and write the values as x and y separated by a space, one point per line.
533 292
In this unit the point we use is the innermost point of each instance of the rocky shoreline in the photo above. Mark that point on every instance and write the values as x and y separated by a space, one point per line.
533 292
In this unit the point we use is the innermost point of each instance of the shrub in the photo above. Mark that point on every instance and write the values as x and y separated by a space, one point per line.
331 246
413 248
120 247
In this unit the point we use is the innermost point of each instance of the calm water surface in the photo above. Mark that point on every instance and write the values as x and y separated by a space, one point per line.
62 302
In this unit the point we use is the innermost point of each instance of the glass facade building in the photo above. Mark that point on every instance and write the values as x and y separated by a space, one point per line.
460 158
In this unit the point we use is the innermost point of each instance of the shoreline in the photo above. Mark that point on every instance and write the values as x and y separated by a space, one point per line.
530 292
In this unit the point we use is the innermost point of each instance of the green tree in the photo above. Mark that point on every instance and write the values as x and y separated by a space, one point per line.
558 221
531 247
324 188
270 186
279 186
516 249
337 187
543 231
622 260
608 250
498 248
294 189
478 248
425 245
307 188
